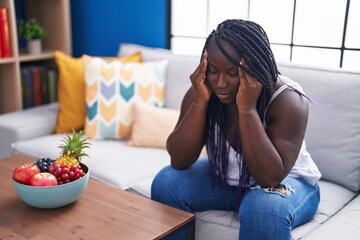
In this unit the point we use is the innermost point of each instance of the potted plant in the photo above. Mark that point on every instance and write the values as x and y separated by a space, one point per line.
33 32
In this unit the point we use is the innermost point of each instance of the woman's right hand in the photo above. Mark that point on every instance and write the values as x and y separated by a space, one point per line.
198 80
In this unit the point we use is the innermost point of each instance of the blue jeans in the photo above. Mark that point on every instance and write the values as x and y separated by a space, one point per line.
264 213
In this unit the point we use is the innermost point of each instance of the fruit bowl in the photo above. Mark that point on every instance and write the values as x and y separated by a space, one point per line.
52 196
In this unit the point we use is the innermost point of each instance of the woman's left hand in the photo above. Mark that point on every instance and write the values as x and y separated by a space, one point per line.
249 90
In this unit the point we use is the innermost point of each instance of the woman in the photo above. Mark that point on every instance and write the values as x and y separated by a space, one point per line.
252 121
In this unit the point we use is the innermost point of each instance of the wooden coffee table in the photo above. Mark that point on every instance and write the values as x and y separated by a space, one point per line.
102 212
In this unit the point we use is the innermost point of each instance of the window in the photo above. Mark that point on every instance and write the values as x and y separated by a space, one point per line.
312 32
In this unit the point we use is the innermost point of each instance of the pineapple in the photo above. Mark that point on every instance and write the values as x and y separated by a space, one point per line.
72 150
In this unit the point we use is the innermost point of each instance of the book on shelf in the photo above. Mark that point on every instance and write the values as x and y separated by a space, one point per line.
5 43
37 82
44 84
39 85
52 84
27 87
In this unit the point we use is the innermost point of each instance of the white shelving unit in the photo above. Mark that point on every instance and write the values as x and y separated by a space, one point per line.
55 16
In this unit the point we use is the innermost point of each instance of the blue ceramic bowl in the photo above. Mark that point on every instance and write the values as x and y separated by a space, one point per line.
52 196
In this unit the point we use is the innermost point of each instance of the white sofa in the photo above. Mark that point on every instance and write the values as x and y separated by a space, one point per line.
333 139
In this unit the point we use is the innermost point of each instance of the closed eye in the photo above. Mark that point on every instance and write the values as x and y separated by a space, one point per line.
212 70
233 73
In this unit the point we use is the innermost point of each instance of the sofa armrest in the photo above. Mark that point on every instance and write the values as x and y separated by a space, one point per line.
27 124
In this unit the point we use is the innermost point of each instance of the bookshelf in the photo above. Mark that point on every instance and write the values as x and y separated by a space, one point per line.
55 16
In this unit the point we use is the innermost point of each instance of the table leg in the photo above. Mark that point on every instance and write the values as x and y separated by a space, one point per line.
187 230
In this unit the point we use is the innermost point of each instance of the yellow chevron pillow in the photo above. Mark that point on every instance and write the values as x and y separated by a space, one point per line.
71 90
112 87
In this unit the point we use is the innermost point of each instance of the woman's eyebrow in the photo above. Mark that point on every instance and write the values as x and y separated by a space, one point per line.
211 65
233 67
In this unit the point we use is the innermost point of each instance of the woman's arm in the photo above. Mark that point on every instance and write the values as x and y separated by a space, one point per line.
187 140
270 154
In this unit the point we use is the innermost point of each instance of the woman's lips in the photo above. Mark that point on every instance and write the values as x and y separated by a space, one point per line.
223 93
222 96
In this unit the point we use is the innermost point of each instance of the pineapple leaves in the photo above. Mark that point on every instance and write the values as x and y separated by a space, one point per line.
73 146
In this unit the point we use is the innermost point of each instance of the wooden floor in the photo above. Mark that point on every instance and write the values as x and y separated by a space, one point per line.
102 212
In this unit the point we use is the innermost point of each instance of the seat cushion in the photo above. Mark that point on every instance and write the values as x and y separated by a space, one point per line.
344 225
112 161
333 197
223 223
26 124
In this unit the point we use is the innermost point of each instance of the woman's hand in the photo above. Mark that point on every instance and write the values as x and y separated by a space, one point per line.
249 90
198 80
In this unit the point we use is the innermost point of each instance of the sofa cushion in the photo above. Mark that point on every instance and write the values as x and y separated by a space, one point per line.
223 222
152 125
22 125
119 165
142 187
178 78
111 161
344 225
330 204
71 90
111 90
333 133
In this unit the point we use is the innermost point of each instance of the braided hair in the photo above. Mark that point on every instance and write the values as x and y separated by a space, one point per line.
252 44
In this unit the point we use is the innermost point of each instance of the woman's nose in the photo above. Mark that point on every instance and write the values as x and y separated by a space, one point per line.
221 83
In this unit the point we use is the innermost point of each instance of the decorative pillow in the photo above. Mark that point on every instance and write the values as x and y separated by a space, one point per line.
112 88
152 125
71 90
175 74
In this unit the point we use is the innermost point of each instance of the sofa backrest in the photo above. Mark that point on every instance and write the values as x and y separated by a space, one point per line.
333 132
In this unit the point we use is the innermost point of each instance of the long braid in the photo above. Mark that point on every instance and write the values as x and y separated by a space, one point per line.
252 44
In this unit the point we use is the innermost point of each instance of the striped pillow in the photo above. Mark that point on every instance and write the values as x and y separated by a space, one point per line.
112 87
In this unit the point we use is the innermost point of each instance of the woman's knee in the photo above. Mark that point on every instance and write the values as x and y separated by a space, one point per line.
162 183
170 186
170 182
267 201
263 212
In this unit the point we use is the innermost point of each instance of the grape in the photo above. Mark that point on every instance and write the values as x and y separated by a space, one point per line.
65 174
44 164
57 171
71 174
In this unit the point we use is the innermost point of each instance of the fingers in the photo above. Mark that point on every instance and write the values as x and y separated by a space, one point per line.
204 65
246 78
249 88
242 73
200 71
